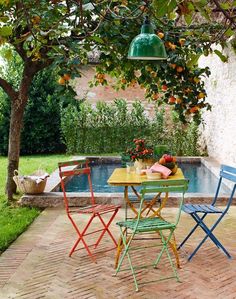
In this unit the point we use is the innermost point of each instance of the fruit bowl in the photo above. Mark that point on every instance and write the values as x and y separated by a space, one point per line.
169 161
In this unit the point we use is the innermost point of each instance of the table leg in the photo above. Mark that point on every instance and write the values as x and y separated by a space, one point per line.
118 251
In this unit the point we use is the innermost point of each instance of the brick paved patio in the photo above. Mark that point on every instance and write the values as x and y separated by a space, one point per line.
37 265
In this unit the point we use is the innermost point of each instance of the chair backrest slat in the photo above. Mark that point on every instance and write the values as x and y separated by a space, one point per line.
165 186
72 162
228 168
227 173
228 176
75 171
80 168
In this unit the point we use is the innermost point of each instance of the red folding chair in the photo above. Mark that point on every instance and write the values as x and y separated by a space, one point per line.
80 167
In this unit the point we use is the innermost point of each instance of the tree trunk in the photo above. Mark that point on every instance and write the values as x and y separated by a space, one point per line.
18 102
17 112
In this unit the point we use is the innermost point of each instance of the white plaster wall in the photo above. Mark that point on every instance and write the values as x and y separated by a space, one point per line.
219 130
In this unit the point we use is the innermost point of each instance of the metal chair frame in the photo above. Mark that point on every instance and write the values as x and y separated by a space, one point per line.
157 224
228 173
95 210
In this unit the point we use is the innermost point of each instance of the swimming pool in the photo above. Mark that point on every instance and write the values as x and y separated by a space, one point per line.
201 180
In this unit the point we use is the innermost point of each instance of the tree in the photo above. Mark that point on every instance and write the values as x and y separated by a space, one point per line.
62 33
41 33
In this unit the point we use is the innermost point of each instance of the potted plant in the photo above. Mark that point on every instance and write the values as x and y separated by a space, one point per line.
140 153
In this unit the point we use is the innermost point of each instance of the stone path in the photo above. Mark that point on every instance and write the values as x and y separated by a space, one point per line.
37 265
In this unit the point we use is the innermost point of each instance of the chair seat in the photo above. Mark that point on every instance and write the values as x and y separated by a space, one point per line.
94 209
147 224
200 208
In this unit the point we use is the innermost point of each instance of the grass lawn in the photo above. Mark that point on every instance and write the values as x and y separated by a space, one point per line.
14 220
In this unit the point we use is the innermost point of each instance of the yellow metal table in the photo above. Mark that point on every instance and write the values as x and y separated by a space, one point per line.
120 177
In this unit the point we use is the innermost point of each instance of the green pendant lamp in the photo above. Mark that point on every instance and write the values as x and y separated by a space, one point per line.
147 45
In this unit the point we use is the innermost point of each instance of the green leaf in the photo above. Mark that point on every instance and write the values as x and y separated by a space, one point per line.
225 5
201 8
203 2
221 56
193 60
191 6
188 19
164 7
117 22
5 31
229 32
97 39
172 15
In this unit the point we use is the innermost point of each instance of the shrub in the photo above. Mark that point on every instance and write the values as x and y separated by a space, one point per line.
110 128
69 127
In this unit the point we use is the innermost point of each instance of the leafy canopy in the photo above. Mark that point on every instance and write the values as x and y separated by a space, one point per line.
63 33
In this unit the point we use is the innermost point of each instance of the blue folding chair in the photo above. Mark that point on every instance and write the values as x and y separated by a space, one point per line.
226 173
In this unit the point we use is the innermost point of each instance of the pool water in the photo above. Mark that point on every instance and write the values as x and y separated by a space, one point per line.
201 180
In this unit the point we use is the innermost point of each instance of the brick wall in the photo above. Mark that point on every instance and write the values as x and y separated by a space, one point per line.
107 93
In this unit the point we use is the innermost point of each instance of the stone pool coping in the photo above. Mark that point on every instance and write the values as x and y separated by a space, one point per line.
50 198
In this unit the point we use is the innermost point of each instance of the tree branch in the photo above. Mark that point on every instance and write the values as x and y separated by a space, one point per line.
7 87
224 12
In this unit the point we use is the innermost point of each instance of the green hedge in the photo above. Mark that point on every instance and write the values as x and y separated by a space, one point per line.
112 127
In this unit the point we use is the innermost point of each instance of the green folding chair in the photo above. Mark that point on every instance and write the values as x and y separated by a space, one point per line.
130 228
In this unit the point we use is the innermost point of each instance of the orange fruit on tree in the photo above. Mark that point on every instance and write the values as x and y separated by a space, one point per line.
196 79
62 81
161 34
173 65
178 100
100 76
164 87
167 44
194 109
179 69
36 20
153 74
172 46
155 96
123 81
101 80
172 100
201 95
188 90
182 41
67 77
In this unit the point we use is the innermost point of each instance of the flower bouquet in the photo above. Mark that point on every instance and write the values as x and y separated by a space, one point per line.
140 150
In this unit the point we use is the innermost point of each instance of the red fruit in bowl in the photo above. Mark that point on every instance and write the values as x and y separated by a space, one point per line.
162 161
169 158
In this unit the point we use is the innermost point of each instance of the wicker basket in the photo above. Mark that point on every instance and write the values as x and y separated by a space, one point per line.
27 185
